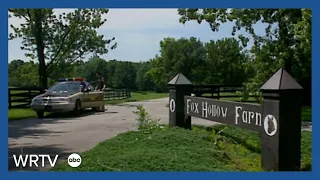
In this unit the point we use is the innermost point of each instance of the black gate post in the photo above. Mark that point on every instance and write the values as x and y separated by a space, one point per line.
179 86
281 134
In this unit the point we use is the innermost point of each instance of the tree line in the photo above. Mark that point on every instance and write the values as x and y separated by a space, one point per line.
215 62
286 43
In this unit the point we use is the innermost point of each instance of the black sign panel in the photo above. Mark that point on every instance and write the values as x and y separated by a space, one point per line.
243 115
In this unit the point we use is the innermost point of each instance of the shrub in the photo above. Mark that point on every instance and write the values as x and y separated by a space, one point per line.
145 123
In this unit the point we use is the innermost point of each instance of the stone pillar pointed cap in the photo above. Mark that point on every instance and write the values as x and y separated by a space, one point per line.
180 79
281 80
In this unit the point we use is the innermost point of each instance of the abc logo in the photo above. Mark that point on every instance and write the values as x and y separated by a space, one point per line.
74 160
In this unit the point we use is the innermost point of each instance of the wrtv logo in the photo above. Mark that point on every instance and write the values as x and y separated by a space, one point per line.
34 160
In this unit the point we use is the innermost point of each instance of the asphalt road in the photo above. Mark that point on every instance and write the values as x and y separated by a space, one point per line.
67 135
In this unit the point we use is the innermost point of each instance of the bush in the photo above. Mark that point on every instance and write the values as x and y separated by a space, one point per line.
145 123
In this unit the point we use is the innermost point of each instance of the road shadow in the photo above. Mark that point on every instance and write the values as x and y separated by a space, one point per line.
128 105
51 150
86 112
29 127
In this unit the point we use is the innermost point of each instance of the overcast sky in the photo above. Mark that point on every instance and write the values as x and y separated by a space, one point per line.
139 31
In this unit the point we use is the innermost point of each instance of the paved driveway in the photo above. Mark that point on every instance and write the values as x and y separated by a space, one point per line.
67 135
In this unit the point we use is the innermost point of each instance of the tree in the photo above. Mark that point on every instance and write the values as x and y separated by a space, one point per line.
182 55
158 74
303 67
94 65
280 46
143 80
64 37
225 62
283 19
24 75
124 75
13 65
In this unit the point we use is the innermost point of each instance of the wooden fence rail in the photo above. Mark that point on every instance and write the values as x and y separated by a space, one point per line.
218 91
116 94
22 97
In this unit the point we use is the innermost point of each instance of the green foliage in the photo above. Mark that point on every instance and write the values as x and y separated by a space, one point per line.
225 62
23 74
145 123
213 135
215 62
124 75
286 42
244 95
67 36
92 66
54 39
177 56
158 74
117 74
143 79
177 149
303 31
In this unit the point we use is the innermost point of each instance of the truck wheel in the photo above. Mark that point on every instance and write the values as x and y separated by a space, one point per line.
40 114
77 108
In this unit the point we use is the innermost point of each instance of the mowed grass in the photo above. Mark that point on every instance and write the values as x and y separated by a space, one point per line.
306 114
18 114
177 149
139 96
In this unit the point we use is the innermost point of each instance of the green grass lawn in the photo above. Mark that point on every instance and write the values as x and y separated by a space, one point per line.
139 96
177 149
306 114
18 114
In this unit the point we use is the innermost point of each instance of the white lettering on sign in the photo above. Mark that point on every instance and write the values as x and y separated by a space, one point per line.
192 106
213 110
172 105
270 125
247 117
